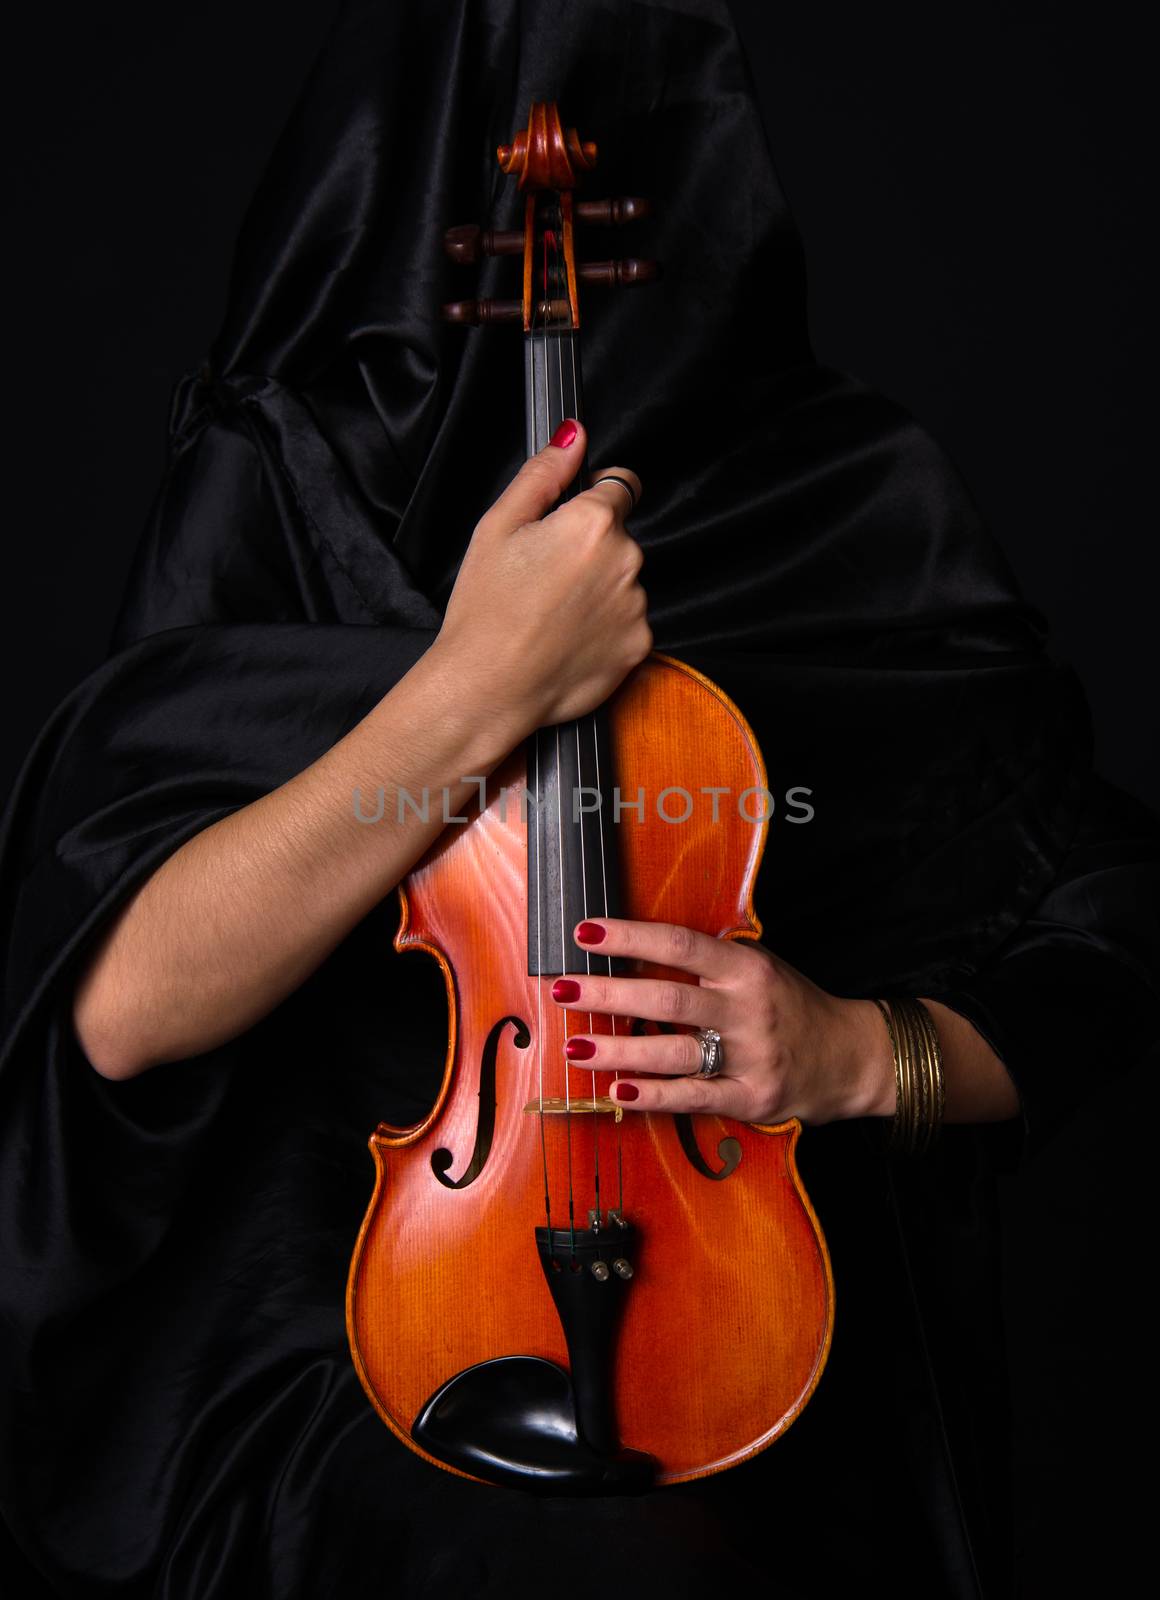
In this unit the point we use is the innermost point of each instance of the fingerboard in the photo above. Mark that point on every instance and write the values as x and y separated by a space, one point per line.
572 857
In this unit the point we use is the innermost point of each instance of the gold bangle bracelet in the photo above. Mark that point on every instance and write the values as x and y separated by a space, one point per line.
894 1126
935 1065
920 1091
911 1109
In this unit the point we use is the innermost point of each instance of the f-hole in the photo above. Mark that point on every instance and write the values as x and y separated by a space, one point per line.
729 1148
442 1160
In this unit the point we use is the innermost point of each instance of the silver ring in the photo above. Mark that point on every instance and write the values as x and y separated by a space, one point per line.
611 477
712 1053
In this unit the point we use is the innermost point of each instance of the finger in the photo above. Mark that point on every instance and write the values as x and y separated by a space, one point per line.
609 490
722 1097
539 484
666 944
676 1053
650 999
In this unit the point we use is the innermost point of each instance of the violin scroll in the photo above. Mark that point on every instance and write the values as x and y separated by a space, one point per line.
543 155
548 161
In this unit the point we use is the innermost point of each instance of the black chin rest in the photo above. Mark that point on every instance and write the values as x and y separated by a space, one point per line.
513 1421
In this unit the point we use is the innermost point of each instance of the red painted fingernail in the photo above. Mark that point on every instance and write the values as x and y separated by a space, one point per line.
591 933
565 989
579 1049
626 1091
564 434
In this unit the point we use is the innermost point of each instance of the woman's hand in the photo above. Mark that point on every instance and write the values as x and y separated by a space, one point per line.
790 1049
547 613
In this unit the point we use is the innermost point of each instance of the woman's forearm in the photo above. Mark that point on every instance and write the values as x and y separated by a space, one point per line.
978 1086
244 912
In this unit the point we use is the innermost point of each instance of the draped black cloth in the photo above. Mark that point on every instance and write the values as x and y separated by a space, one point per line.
180 1414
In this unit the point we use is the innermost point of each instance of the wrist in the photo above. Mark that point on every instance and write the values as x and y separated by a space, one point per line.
873 1085
490 715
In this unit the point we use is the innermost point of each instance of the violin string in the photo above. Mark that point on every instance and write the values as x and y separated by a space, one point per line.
549 343
588 970
563 968
534 824
568 410
612 1015
532 816
604 894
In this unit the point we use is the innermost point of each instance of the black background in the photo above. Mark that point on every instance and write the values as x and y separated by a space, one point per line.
973 187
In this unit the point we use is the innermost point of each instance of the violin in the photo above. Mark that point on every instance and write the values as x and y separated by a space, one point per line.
534 1268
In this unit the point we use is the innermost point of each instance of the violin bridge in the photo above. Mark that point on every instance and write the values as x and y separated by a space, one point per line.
557 1106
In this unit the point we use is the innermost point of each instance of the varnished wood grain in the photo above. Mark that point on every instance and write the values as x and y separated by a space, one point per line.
729 1317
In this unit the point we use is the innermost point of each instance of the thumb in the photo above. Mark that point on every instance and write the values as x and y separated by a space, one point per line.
540 481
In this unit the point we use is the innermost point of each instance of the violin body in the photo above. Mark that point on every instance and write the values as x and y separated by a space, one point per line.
722 1332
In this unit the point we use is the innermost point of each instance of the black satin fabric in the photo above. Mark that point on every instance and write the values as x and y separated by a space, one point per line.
180 1414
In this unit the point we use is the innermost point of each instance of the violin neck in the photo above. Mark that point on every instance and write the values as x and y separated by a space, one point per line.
552 391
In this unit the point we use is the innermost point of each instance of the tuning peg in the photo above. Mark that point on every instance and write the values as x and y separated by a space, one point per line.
608 213
475 313
469 242
618 274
